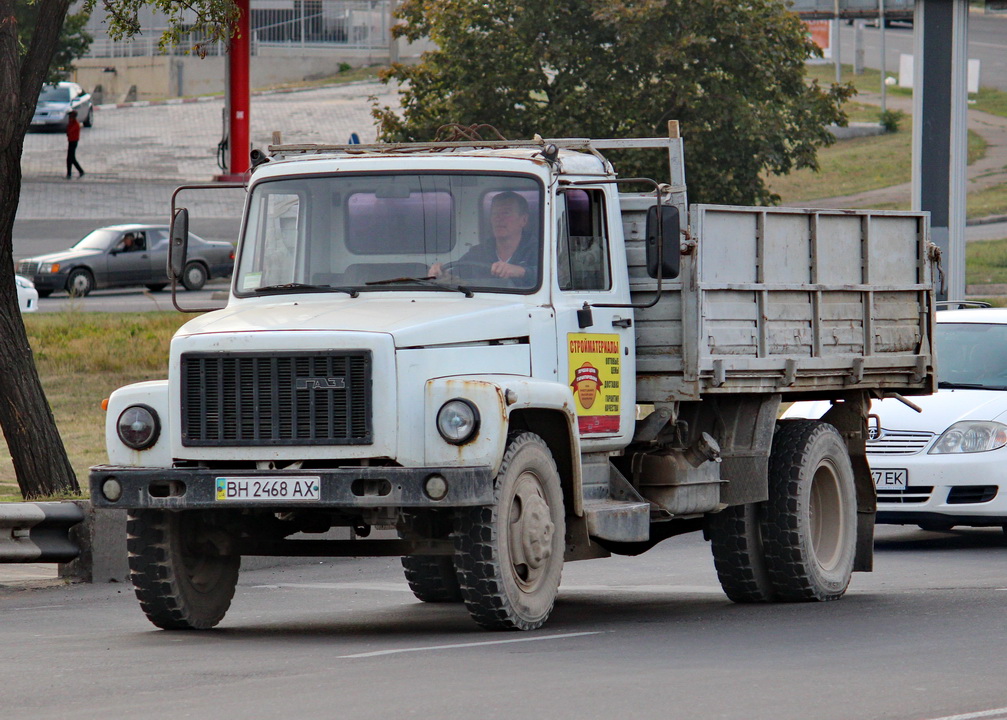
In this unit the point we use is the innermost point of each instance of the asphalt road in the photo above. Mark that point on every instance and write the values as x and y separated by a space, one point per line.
650 637
987 42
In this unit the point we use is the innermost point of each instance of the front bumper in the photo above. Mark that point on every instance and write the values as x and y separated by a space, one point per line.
50 281
962 489
340 488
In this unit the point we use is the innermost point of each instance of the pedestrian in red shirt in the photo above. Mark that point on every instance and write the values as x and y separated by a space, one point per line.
72 137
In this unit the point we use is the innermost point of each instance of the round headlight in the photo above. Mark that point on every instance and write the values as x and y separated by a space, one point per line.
138 427
458 421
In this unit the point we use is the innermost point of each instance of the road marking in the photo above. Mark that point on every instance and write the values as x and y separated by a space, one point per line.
461 646
974 716
381 587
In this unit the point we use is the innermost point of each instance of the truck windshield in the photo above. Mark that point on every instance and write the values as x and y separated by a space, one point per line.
971 355
393 232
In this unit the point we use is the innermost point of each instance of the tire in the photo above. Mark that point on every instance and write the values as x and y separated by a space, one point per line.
157 287
181 579
194 276
432 578
80 282
936 526
89 120
44 293
510 555
811 515
738 554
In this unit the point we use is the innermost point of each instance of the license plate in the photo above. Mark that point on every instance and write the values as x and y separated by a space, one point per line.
890 479
269 489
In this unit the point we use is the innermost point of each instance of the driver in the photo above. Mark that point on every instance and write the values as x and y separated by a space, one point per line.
511 254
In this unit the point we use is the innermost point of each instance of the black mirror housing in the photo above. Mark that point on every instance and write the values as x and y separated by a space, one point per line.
666 238
179 246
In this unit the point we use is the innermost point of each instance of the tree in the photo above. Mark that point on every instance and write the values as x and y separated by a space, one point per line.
29 40
731 72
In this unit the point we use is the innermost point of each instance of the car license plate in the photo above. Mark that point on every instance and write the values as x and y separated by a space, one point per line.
887 479
269 489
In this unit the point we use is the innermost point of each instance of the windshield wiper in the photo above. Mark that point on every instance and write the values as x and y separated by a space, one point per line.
424 281
968 386
304 288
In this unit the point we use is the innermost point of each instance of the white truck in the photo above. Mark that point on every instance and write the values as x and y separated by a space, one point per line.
489 349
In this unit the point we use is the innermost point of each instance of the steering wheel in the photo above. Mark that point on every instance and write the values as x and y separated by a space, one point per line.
468 269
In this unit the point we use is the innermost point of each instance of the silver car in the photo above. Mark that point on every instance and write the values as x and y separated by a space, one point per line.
55 103
123 256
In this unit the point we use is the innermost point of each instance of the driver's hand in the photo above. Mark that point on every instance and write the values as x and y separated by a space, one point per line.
436 270
502 269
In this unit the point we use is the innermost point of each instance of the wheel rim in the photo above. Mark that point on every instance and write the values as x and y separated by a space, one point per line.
204 568
195 275
531 533
80 284
828 516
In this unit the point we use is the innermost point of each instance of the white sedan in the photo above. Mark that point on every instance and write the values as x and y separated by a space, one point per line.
945 466
27 295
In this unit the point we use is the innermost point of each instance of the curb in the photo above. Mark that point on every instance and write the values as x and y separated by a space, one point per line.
211 98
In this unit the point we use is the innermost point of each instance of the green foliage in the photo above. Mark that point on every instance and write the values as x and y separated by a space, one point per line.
73 40
210 20
731 73
891 119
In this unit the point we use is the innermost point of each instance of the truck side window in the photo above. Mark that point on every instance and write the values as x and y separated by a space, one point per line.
582 250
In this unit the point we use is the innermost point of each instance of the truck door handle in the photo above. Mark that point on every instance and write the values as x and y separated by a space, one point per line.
622 322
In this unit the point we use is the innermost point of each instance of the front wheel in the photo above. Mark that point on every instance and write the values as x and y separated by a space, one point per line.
157 287
809 530
80 282
510 555
182 573
194 276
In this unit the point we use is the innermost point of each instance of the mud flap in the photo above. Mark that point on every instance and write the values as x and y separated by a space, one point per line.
850 418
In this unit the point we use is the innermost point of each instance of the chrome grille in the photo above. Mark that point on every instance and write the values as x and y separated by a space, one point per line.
27 268
256 399
908 496
898 442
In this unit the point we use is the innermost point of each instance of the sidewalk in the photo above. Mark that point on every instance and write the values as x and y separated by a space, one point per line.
28 575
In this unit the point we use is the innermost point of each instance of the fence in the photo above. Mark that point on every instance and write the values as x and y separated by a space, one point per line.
349 24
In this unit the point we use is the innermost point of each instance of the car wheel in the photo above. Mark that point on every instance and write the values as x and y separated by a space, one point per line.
89 120
80 283
157 287
194 276
936 526
44 293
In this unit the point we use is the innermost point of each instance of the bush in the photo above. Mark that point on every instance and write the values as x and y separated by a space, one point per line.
891 119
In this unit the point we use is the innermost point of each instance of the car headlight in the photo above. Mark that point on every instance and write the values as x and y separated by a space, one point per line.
24 282
138 427
49 268
458 421
971 436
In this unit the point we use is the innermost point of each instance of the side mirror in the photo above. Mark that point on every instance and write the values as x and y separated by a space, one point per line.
179 246
666 237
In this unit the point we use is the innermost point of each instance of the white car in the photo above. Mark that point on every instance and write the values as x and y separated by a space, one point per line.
27 295
945 466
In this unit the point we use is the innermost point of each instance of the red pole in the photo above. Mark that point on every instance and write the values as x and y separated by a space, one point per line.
239 59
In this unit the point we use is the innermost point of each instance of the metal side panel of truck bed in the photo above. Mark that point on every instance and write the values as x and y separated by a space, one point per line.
787 300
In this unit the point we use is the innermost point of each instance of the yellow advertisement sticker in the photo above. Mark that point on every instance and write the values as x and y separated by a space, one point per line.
595 362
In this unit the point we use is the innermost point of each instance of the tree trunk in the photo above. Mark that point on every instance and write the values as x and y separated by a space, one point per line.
40 460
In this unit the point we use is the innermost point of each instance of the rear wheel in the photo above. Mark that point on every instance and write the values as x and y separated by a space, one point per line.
810 525
80 282
44 293
182 573
510 554
89 120
157 287
736 540
194 276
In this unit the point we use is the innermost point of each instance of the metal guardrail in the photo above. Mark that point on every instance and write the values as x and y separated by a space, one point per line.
38 532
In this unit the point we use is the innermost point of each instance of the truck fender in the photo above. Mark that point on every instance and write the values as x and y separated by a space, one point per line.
155 395
508 403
